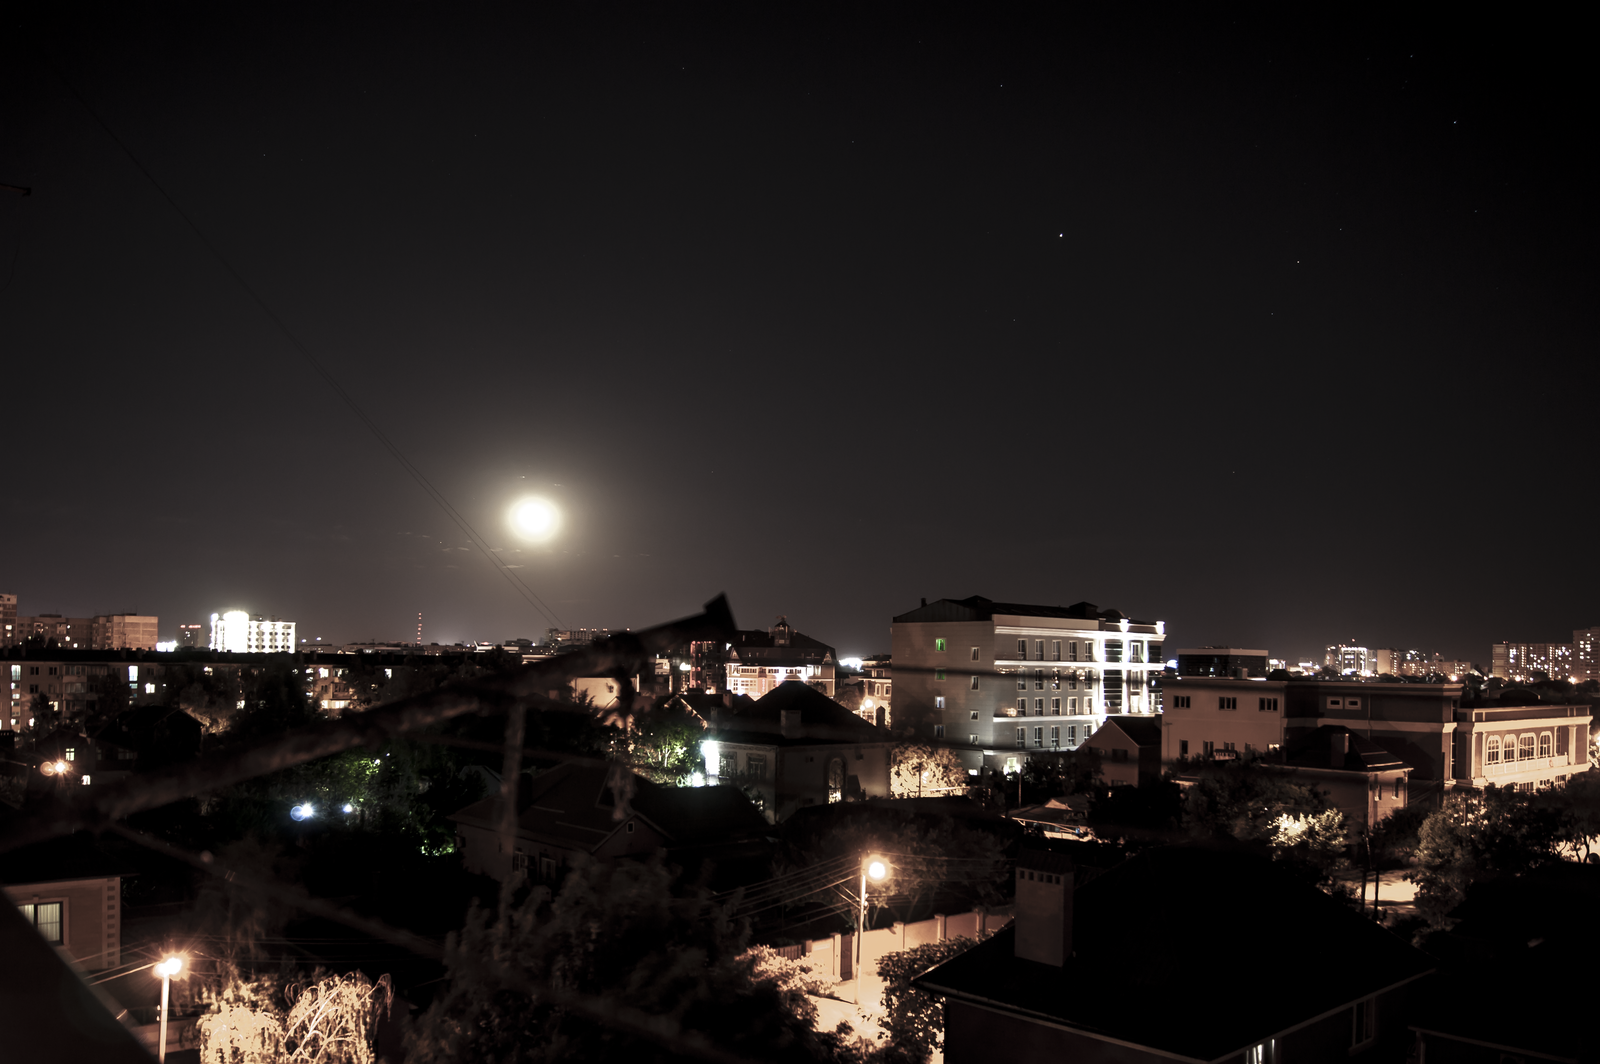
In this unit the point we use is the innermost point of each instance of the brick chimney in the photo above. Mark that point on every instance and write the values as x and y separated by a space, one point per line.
1044 907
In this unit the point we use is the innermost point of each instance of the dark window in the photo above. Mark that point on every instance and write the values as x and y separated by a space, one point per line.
1183 748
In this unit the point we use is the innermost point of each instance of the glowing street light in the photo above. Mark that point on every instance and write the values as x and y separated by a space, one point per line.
872 868
303 811
166 970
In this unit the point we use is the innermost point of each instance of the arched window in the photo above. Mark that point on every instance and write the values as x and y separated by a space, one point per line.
1491 752
1544 744
1525 747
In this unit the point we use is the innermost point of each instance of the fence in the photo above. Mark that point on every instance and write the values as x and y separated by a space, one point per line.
834 957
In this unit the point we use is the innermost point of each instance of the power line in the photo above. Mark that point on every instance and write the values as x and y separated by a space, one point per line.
451 512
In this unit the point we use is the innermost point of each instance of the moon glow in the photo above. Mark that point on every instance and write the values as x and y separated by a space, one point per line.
534 519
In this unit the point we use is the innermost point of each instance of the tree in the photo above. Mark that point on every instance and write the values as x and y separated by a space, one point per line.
1244 799
1313 841
560 979
918 770
1474 835
912 1018
665 743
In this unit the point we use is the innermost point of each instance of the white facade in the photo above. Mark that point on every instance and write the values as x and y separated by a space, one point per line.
240 633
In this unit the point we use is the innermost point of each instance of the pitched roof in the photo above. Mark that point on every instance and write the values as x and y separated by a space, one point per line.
1157 981
1314 748
821 719
1140 730
978 608
576 806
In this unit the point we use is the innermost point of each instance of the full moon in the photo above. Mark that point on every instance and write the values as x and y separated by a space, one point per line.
534 519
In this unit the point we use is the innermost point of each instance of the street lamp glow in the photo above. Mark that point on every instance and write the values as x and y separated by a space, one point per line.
348 808
169 967
534 519
302 812
876 870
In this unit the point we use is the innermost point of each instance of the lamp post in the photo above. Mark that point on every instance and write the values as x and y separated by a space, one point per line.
871 868
166 970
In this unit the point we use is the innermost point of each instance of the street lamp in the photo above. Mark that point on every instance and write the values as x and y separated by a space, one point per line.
874 869
166 970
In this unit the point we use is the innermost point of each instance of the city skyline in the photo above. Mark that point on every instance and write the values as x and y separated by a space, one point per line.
1156 314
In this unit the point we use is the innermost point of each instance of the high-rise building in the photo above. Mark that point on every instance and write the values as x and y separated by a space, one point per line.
1348 660
192 636
122 631
52 629
8 621
240 633
1586 654
1003 680
1520 662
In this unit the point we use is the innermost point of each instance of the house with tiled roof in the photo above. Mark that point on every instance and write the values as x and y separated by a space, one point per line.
1363 780
795 747
602 811
1179 954
1129 748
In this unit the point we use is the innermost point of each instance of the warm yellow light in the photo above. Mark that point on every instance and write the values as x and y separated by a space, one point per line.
169 967
61 766
534 519
877 870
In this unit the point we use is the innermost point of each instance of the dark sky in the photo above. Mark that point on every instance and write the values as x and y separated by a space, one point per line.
1281 332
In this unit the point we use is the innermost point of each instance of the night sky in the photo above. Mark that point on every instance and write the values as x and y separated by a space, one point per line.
1282 333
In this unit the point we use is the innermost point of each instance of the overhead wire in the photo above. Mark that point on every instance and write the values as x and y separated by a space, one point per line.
473 537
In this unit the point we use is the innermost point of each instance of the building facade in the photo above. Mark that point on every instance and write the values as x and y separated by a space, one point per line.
758 662
1000 680
8 620
1224 661
1522 662
123 631
1213 719
239 633
1348 660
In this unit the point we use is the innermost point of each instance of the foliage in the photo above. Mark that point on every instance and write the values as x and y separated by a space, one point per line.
1313 841
921 769
240 1032
664 743
914 1019
1474 835
1153 808
615 938
1046 776
929 857
768 964
1244 800
333 1019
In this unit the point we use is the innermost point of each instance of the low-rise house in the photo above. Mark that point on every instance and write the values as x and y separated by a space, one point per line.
796 747
1126 969
1362 780
1129 748
602 811
71 893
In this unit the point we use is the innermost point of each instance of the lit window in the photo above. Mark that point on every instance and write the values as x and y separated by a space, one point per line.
1525 747
939 645
46 916
1544 744
1491 752
86 779
72 753
938 701
938 674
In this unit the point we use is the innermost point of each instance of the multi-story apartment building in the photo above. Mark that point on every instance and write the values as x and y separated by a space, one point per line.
1423 724
1002 680
240 633
1586 655
1518 662
123 631
193 637
68 633
757 662
1224 661
878 676
8 620
1348 660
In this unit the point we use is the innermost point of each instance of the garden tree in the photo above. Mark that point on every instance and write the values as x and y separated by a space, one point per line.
617 941
1475 835
1058 772
913 1019
1577 807
664 743
273 701
1153 810
932 858
1314 842
918 770
42 716
1244 799
329 1019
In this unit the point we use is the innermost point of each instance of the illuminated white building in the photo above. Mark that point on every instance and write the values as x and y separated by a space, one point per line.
1348 660
1004 680
240 633
757 661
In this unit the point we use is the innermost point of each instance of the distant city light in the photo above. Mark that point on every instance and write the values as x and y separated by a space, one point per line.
167 648
683 666
534 519
850 663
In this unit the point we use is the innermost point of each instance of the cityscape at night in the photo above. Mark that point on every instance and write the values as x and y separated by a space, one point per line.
842 535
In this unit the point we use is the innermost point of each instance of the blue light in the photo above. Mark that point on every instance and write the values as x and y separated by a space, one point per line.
302 812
